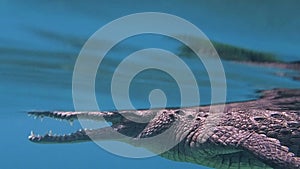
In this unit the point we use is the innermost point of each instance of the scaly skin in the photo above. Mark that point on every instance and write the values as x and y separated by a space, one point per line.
263 133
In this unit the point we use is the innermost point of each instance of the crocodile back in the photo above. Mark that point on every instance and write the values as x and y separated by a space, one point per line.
276 114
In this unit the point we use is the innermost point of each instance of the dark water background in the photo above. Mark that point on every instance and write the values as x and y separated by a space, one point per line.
39 43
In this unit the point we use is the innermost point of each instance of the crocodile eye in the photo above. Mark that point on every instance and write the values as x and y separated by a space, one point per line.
180 112
171 115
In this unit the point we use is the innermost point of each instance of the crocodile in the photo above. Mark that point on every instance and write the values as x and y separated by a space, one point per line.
260 133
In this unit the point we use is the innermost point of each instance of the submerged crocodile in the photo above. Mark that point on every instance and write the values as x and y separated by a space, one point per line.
262 133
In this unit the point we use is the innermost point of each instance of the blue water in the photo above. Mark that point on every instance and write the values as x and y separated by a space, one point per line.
39 44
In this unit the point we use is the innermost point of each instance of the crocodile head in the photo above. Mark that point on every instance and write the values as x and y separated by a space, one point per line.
126 126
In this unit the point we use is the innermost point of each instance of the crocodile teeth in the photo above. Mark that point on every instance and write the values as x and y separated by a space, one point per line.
31 135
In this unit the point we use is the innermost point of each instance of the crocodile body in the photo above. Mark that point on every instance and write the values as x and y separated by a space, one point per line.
263 133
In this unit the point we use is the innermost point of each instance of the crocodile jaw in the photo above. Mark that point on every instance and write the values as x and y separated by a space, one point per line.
119 124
